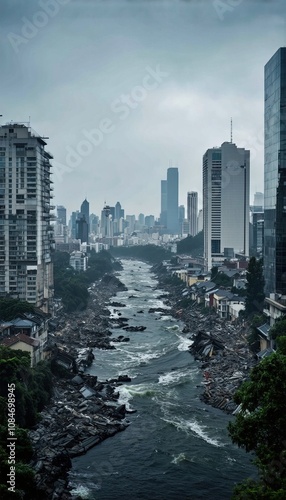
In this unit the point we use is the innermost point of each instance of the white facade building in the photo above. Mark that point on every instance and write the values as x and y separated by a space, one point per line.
192 212
200 221
78 260
225 203
26 234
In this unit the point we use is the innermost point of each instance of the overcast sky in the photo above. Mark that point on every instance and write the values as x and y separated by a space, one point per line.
126 88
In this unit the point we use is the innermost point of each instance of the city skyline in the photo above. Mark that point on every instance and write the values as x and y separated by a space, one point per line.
183 89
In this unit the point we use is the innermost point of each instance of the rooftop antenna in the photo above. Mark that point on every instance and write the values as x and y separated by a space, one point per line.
231 130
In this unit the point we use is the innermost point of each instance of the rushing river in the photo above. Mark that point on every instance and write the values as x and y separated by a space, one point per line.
176 447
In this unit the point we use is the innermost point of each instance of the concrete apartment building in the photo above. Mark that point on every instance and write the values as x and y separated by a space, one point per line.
26 234
225 203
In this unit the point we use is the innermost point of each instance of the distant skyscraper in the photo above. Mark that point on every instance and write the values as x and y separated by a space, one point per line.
173 200
225 202
200 221
112 212
117 211
82 229
258 200
131 223
72 224
181 213
84 210
163 214
26 234
141 219
93 223
61 215
274 260
149 221
192 212
105 222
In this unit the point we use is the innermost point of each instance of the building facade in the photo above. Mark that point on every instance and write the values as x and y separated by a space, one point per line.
225 203
26 233
274 258
173 200
192 212
61 215
163 214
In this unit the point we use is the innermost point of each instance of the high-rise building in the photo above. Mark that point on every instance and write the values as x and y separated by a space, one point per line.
93 223
258 201
274 260
173 200
225 203
82 229
117 213
131 223
149 221
72 224
192 212
26 234
200 221
61 215
83 222
106 222
163 214
141 219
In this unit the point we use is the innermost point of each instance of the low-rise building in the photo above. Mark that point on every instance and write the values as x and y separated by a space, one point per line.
21 332
274 308
24 343
78 260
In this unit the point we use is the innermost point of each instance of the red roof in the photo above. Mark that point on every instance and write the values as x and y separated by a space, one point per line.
21 337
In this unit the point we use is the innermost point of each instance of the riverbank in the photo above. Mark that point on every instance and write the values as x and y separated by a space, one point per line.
220 347
83 411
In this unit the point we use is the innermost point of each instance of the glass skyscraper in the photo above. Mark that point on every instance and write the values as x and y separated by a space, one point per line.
173 200
275 174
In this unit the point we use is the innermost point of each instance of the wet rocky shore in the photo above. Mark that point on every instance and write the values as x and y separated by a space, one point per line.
220 346
83 411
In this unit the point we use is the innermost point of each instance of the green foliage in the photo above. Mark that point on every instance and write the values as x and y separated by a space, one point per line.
254 286
241 292
221 279
214 272
252 490
33 388
10 308
278 329
281 344
192 244
72 286
260 426
148 253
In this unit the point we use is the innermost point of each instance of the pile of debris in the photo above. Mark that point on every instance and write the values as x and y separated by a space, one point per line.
205 345
83 413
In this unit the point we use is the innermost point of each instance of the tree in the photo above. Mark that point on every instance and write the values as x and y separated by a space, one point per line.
254 286
192 244
33 389
278 329
214 272
10 308
260 426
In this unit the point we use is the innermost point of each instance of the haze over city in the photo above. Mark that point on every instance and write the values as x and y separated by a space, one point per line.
125 90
